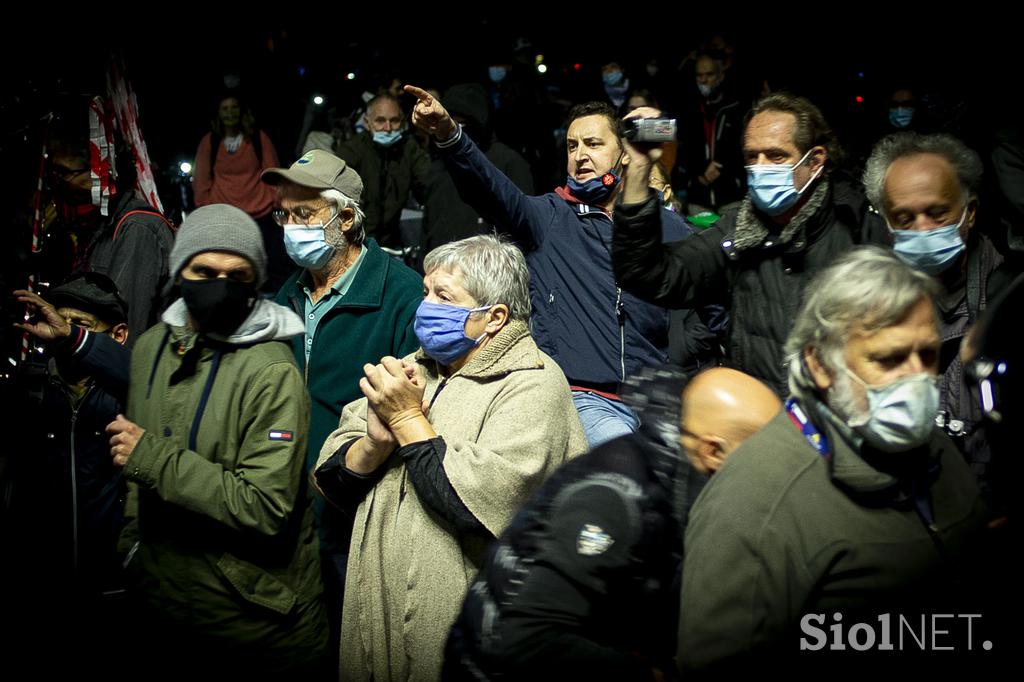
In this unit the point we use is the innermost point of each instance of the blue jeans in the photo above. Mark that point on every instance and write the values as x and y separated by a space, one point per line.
603 419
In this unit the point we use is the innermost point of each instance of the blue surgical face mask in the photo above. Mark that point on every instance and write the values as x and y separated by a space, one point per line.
386 138
932 251
901 414
596 190
441 330
771 185
306 245
612 78
497 73
900 117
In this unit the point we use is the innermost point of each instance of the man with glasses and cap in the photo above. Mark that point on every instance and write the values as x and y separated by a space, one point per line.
358 305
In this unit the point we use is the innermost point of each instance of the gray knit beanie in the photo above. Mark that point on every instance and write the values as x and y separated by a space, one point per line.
219 227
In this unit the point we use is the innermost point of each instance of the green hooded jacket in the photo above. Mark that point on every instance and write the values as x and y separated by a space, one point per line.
218 500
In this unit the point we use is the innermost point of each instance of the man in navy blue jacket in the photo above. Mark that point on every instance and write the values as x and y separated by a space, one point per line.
598 333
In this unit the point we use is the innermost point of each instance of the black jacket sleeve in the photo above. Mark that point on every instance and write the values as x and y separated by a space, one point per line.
557 626
425 463
678 275
98 356
345 488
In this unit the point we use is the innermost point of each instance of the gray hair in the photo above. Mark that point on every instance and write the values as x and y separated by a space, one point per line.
333 234
965 162
493 271
866 290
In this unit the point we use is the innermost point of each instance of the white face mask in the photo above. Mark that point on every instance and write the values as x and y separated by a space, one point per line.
900 415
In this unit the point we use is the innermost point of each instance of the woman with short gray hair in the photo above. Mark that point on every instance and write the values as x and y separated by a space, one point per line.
433 463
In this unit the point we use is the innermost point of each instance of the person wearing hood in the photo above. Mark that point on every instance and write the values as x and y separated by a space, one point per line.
446 217
583 584
597 333
392 165
222 551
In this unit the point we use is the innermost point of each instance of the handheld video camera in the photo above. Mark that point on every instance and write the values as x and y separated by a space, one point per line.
650 130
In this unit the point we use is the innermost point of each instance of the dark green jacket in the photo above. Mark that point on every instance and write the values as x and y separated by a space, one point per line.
780 532
219 504
390 175
375 318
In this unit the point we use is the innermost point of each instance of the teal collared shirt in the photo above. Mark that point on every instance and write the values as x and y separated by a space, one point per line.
314 312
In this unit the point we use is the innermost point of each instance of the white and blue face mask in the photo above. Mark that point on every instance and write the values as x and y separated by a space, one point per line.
901 414
612 78
930 251
386 138
771 185
497 73
307 245
900 117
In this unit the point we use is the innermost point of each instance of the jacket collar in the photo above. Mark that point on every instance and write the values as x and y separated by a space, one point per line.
578 206
752 226
866 473
367 289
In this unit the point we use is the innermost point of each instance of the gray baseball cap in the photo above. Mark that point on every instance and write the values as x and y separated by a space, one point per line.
320 170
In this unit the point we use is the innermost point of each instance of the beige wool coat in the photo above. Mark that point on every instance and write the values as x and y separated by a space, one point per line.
508 421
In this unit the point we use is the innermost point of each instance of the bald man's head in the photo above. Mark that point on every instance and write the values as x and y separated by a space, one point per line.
722 408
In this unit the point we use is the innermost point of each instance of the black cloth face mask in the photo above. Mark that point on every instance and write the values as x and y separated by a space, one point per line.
218 306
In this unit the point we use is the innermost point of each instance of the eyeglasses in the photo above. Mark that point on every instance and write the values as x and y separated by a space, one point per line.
300 216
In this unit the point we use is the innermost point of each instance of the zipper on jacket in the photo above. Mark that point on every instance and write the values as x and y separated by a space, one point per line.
74 494
74 479
620 314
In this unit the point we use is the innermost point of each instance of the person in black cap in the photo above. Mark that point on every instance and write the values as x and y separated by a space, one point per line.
66 498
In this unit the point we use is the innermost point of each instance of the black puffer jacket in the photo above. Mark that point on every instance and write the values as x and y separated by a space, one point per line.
746 263
583 583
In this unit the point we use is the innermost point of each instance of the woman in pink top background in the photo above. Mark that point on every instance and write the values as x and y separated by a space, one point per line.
232 176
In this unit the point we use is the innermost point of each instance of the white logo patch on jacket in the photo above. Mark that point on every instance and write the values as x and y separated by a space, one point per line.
592 541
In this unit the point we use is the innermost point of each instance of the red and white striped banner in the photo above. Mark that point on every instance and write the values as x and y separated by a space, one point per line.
101 155
126 110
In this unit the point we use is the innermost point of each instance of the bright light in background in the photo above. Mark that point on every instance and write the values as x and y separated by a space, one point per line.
318 100
577 66
185 167
859 99
351 76
542 68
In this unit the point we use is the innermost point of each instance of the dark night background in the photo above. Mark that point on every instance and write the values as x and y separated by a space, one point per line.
176 59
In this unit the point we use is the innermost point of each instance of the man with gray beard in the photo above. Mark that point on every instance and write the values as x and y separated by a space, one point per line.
851 504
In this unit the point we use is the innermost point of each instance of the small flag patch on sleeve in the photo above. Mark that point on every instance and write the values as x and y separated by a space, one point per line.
278 434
